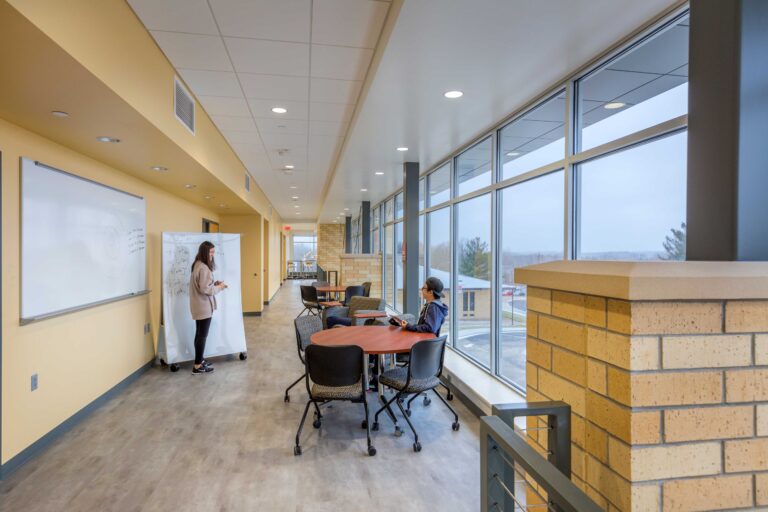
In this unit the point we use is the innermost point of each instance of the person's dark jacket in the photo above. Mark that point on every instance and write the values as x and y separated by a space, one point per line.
431 318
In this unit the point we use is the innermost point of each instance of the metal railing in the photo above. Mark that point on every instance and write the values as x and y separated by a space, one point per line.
515 476
301 269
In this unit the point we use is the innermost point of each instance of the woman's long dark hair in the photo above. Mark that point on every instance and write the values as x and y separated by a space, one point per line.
203 255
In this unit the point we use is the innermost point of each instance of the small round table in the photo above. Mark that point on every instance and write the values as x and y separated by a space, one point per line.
373 339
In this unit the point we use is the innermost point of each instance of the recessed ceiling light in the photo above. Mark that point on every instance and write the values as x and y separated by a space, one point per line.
222 205
279 110
296 206
107 139
346 209
298 213
402 148
189 185
452 95
159 168
513 153
363 190
289 166
293 187
59 113
208 197
294 197
335 222
614 105
379 173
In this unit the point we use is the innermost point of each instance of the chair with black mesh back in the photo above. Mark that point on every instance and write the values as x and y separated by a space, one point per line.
305 326
367 289
310 301
353 291
334 373
421 374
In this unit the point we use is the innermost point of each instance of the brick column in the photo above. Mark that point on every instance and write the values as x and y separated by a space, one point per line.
665 366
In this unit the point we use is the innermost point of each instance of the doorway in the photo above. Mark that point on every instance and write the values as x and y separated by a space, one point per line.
266 234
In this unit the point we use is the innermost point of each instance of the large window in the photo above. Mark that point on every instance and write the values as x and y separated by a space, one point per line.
398 254
532 232
473 278
375 224
389 260
473 167
422 253
643 87
304 247
399 210
632 203
439 185
439 255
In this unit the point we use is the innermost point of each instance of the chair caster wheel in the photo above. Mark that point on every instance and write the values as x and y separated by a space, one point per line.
286 399
316 424
427 401
407 412
398 432
174 368
371 451
375 426
455 426
417 446
364 425
243 356
297 450
449 396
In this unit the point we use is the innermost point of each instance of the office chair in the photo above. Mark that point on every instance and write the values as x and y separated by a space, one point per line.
367 288
336 374
305 326
353 291
310 301
421 374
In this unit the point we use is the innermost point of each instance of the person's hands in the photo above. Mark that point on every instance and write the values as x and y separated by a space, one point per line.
216 283
403 323
223 285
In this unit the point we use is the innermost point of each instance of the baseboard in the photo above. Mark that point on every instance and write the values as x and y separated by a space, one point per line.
44 442
251 313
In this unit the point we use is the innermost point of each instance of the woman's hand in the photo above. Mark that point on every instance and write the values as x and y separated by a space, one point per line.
403 323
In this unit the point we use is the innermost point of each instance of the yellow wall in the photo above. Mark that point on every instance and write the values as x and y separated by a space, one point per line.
249 226
78 356
274 281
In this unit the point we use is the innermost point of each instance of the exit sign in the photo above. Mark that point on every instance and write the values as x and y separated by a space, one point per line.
286 228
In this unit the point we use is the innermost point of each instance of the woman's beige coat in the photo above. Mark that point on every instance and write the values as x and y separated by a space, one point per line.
202 291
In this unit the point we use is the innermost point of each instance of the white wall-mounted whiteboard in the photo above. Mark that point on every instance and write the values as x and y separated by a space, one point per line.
82 243
227 332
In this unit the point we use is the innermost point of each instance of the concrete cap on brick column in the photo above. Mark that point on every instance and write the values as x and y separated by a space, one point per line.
664 280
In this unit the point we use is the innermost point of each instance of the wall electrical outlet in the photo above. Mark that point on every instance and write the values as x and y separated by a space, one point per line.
34 382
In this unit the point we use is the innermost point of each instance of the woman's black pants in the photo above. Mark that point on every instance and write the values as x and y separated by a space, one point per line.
201 333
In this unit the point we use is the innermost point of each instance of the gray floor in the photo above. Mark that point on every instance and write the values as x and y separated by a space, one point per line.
225 442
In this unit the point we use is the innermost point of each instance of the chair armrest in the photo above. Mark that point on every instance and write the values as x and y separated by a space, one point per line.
342 311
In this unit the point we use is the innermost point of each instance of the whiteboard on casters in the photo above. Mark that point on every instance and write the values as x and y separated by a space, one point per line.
227 332
82 243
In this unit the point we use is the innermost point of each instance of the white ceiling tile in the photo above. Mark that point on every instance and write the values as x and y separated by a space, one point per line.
281 20
193 51
211 83
192 16
348 22
292 126
249 150
340 62
221 106
284 140
330 128
296 109
334 91
275 86
337 112
268 57
235 137
241 124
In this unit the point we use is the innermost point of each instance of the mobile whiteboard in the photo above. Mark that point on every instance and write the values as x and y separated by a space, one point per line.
82 243
227 332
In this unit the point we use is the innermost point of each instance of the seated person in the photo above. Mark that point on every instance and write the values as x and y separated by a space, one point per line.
432 314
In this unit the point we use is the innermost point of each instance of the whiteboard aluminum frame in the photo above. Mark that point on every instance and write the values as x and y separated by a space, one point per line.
61 312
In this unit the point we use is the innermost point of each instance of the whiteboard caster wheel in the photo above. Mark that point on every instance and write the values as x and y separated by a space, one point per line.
243 356
174 368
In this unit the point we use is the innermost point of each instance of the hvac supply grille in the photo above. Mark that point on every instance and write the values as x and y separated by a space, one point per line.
184 105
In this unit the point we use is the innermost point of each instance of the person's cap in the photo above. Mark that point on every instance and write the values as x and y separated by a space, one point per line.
435 286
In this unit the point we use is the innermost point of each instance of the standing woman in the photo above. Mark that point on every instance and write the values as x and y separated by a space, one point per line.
202 301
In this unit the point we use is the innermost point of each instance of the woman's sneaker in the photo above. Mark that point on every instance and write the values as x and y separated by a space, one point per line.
206 363
202 369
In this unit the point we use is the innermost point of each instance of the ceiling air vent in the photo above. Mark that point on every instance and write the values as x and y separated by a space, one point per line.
183 105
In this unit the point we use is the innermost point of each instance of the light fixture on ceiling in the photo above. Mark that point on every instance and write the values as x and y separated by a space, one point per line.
222 205
293 187
614 105
279 110
289 166
294 197
513 153
159 168
59 113
189 185
208 197
346 209
379 173
402 148
363 190
298 213
452 95
296 206
104 138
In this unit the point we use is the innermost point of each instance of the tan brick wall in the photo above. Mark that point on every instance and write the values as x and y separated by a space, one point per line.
669 399
358 268
330 246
